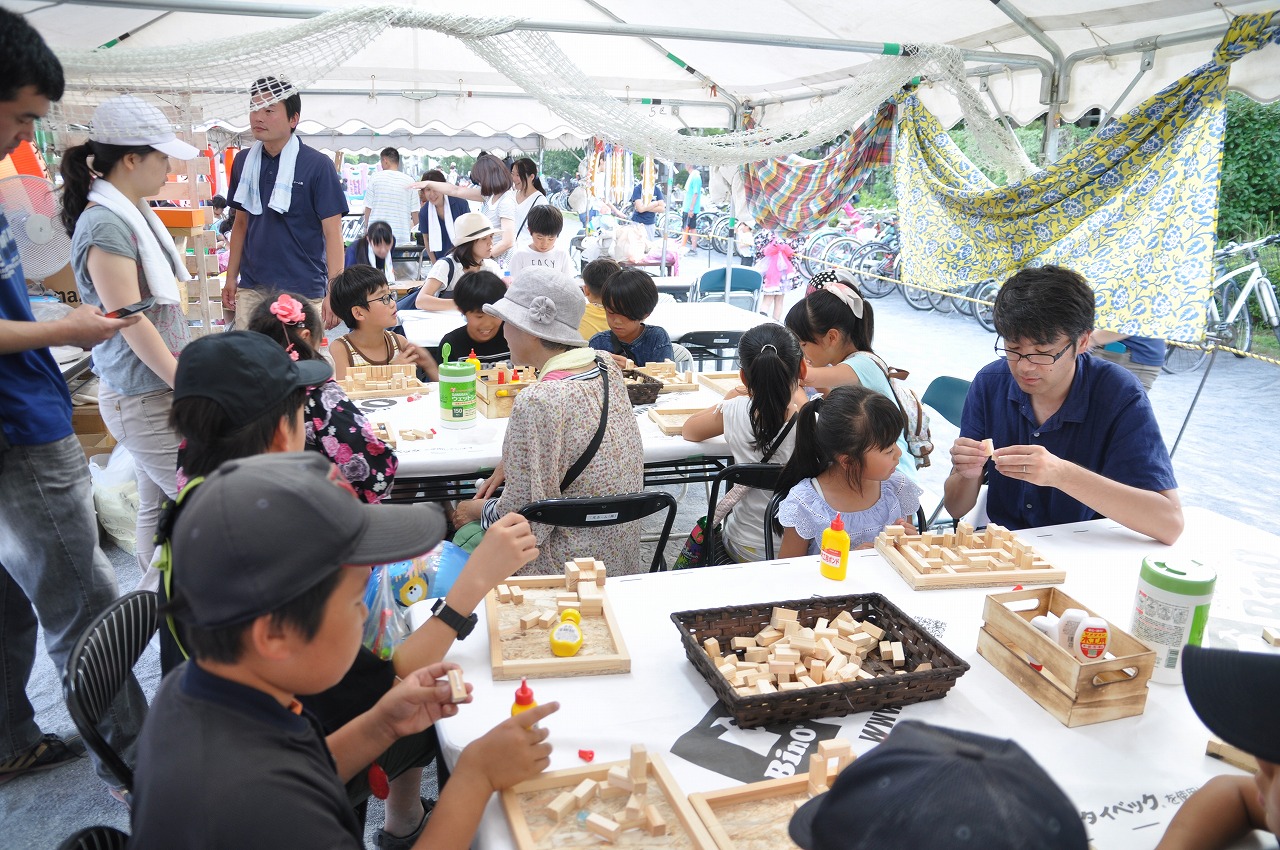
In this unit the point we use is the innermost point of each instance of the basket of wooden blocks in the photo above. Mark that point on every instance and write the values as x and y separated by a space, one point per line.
778 662
642 388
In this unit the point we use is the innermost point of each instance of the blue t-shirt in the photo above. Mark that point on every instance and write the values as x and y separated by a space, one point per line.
652 346
1144 350
645 217
1105 425
35 407
693 193
286 252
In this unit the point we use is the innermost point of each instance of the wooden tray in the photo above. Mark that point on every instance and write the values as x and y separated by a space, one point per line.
400 377
533 829
720 383
755 816
1076 692
673 381
671 419
964 558
515 654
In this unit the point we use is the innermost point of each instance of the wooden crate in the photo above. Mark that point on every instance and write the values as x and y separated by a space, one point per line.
516 653
494 399
396 379
671 419
1076 692
964 558
673 381
533 829
755 816
720 383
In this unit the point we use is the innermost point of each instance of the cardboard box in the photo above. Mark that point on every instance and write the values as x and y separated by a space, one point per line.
96 444
87 419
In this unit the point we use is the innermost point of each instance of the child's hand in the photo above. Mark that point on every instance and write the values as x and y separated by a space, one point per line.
508 545
867 545
739 390
620 359
513 751
906 523
418 700
410 353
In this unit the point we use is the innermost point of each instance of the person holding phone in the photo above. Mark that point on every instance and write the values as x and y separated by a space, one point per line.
125 262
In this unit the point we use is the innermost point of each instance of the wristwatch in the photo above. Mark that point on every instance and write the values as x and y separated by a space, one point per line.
451 618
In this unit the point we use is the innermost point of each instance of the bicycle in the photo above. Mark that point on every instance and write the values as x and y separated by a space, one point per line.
1227 319
875 267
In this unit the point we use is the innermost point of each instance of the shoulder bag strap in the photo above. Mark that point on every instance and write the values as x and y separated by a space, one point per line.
594 446
777 441
526 215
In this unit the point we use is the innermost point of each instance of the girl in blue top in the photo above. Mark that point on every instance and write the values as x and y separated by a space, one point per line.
629 296
835 327
845 461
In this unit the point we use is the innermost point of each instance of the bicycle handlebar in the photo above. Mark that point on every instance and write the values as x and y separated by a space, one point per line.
1232 248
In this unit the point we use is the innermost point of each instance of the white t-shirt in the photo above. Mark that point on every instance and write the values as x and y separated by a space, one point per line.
496 209
526 258
440 271
743 532
389 198
523 236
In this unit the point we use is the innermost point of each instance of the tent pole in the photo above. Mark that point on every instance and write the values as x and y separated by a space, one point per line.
1049 142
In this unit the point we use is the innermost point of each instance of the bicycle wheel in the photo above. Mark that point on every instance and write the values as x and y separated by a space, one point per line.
1178 360
704 221
963 305
916 297
840 253
941 302
719 234
1239 333
873 268
815 247
985 313
669 222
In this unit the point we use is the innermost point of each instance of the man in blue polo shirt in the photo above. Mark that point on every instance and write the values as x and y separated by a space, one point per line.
1075 438
287 235
646 211
51 569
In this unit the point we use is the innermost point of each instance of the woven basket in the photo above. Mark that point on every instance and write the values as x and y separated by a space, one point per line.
828 700
645 391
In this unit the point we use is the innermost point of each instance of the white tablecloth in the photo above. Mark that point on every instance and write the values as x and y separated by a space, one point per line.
1124 775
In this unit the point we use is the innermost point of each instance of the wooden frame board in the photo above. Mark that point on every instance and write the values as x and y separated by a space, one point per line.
524 805
405 373
671 419
755 816
516 654
720 383
673 381
964 558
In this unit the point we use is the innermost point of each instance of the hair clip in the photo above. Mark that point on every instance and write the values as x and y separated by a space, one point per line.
288 310
293 354
769 345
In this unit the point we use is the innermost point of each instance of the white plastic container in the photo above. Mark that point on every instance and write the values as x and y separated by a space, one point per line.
1170 611
457 395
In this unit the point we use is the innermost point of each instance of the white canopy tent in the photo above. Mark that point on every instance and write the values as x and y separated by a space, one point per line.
672 61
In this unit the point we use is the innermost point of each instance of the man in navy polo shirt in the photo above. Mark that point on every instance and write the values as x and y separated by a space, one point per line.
1075 438
50 565
646 211
287 236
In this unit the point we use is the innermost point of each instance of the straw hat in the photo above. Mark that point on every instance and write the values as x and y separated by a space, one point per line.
470 227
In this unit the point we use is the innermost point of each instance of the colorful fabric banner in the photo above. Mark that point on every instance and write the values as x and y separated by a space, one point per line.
1134 209
793 195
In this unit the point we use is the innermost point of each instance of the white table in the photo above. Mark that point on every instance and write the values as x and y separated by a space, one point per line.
1104 768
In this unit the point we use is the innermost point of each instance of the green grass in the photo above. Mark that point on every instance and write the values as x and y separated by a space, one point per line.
1264 341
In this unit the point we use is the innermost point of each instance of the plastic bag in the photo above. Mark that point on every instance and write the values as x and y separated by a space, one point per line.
426 576
115 496
386 627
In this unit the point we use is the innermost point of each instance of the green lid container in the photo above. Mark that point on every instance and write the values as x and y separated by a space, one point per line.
1183 577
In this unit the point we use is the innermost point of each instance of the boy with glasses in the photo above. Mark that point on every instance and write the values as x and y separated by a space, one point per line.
1075 438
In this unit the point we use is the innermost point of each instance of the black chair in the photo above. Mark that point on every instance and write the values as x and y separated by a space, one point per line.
99 663
597 511
771 516
762 476
718 346
95 838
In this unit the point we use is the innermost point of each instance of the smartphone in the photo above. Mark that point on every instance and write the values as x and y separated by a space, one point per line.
137 307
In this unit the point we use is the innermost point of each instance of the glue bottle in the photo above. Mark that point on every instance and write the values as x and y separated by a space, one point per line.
566 638
473 360
325 353
834 556
524 698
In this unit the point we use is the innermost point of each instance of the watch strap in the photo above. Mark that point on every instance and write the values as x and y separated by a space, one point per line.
451 618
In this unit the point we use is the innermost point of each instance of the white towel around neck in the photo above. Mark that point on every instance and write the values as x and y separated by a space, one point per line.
154 242
249 193
434 240
387 269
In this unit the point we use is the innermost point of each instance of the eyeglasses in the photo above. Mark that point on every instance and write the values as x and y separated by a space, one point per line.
1037 359
387 299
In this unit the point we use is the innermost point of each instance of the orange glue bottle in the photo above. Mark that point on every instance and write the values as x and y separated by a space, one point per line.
524 698
473 360
834 556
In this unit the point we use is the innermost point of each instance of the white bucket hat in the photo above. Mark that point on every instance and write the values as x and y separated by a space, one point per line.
545 303
130 121
471 226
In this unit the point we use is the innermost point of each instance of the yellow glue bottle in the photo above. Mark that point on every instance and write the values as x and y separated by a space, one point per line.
472 360
524 698
834 556
566 638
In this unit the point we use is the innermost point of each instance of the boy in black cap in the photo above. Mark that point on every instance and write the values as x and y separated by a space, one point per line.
926 786
1234 694
272 603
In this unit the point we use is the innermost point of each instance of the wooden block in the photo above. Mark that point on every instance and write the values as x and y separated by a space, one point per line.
807 681
571 575
712 647
653 822
585 790
1231 755
546 618
763 686
1271 635
601 574
989 446
457 686
790 686
639 763
790 628
783 615
727 670
825 634
517 596
563 605
895 531
818 671
786 654
835 662
822 623
803 645
834 748
603 827
778 668
886 650
620 777
567 597
846 646
585 563
873 630
899 655
824 650
768 637
923 665
844 617
634 808
528 621
757 654
560 806
743 643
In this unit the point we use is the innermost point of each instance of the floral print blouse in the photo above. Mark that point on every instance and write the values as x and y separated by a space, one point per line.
338 430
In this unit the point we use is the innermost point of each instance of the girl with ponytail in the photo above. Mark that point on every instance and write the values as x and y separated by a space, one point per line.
845 461
756 421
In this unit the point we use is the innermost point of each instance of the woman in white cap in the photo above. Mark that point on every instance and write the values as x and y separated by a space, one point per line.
472 241
122 255
554 425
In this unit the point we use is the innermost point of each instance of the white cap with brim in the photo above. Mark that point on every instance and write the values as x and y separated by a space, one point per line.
129 121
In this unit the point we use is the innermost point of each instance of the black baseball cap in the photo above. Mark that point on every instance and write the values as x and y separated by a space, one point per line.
244 372
926 786
263 530
1233 692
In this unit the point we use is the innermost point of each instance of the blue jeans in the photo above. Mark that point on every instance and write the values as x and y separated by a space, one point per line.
51 568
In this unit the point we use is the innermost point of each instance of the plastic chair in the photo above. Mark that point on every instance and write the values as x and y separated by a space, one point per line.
99 663
945 395
745 285
762 476
681 357
707 346
95 838
597 511
770 522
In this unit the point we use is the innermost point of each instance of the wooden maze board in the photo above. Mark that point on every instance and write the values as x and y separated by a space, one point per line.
964 558
720 383
535 828
673 381
671 419
517 652
390 381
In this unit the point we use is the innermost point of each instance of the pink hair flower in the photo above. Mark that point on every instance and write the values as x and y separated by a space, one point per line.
288 309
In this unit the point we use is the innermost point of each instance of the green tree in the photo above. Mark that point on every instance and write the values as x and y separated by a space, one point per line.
1249 199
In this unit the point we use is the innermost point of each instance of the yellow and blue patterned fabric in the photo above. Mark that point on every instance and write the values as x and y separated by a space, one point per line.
1134 209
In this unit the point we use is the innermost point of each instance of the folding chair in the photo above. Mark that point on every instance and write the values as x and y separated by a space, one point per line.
681 357
761 476
597 511
707 346
945 395
95 838
99 663
745 286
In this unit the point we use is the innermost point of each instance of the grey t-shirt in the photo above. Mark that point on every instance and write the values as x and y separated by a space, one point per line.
113 360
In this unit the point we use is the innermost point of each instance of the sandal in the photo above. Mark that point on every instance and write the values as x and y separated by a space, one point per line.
387 841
